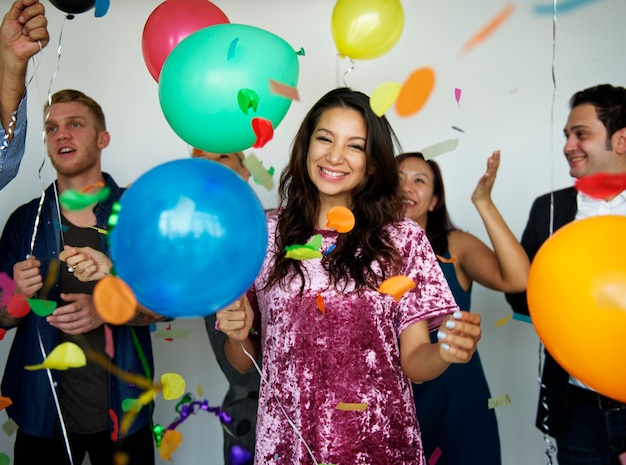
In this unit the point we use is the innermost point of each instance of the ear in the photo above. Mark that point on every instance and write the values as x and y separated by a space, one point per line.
104 137
618 141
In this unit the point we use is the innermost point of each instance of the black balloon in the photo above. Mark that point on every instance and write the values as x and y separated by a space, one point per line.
74 6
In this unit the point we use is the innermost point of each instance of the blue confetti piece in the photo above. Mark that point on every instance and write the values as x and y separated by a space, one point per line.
102 7
562 7
523 318
233 48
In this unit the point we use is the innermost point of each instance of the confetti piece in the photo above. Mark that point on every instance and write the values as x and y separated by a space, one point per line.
42 307
113 417
171 334
263 130
396 286
232 48
341 219
247 99
95 185
564 6
5 402
622 458
440 148
499 401
173 385
601 185
383 96
300 252
446 260
199 390
131 405
284 90
114 300
320 304
504 320
306 251
415 92
490 28
458 129
351 406
4 459
523 318
9 427
169 443
109 347
7 285
259 173
18 306
3 332
434 457
457 96
75 200
102 6
64 356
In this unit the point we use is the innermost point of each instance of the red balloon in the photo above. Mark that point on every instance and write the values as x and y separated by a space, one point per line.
170 23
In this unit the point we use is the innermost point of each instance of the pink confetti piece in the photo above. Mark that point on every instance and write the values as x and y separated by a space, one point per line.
284 90
457 96
434 458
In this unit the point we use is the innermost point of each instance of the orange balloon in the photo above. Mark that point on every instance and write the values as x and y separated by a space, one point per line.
415 91
577 301
115 301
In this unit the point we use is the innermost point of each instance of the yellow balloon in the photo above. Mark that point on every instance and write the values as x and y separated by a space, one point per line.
577 301
365 29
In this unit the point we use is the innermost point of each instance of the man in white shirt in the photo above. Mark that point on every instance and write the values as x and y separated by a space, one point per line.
589 427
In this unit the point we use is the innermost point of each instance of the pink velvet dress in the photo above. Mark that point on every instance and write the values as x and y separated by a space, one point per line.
315 362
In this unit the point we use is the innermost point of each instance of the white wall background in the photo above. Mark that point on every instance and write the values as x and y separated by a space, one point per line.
509 102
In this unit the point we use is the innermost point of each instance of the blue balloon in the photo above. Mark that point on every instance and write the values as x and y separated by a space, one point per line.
190 238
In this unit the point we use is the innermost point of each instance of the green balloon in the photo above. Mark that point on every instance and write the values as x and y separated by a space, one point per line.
216 80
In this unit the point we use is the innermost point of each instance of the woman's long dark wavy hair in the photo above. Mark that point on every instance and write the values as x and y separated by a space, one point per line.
438 222
376 204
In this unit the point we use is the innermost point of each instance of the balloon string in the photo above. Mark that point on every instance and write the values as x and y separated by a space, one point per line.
56 402
289 420
550 447
348 71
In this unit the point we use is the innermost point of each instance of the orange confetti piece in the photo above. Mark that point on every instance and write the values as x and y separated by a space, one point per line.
415 91
341 219
114 300
347 406
490 28
92 186
320 304
284 90
5 402
263 130
169 443
396 286
446 260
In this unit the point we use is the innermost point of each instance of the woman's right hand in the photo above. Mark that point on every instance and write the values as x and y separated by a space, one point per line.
235 320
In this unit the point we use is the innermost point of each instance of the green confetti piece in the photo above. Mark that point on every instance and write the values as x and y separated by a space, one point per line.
302 253
75 200
498 401
42 307
247 98
315 242
131 405
4 459
259 173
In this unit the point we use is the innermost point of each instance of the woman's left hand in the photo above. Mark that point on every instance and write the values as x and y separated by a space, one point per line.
458 337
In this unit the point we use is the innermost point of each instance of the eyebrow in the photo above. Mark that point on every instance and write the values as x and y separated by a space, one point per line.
364 139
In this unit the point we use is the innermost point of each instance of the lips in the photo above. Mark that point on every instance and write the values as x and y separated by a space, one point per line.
332 174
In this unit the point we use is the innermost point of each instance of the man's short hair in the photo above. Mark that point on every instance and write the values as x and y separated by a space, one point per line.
609 102
71 95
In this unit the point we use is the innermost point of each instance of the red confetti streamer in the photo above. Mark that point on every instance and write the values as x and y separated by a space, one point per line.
601 185
115 431
263 130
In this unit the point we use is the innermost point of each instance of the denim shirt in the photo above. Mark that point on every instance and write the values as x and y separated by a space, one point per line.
11 153
33 407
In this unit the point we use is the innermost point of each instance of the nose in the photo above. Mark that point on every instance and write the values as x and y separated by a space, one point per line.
571 143
335 155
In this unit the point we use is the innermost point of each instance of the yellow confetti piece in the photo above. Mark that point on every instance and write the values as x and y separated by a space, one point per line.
62 357
200 390
258 171
173 385
384 96
440 148
396 286
499 401
504 320
347 406
9 427
169 443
